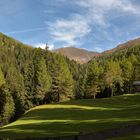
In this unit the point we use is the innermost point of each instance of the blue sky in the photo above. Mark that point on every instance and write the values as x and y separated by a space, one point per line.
96 25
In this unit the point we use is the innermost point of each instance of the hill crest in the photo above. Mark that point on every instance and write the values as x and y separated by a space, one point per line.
77 54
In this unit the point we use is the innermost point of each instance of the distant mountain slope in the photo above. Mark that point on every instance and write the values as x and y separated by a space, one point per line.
83 56
8 41
128 44
79 55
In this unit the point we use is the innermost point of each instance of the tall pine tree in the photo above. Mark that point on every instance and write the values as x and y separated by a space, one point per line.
42 79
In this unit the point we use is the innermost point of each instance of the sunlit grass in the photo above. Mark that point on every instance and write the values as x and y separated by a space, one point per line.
75 117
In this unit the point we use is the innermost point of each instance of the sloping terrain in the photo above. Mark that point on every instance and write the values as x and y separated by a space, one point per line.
83 56
126 45
76 117
129 137
79 55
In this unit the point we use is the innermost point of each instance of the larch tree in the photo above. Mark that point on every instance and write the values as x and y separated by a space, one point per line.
113 76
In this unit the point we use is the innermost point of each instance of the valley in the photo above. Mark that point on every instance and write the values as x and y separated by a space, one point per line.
54 95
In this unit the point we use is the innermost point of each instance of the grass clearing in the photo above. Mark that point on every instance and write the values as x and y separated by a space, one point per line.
75 117
129 137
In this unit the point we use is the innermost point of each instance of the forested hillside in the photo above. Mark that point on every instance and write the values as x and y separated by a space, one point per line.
30 77
113 74
33 76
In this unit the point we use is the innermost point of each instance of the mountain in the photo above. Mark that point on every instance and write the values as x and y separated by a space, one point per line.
79 55
126 45
27 74
83 56
6 41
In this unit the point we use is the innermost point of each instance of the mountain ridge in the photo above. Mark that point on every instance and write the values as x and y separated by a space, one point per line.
80 55
77 54
83 55
122 46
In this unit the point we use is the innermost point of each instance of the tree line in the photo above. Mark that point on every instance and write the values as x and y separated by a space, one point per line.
32 76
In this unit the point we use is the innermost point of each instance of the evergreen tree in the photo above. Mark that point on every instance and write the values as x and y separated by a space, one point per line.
92 81
29 82
15 84
2 79
6 101
80 84
7 106
42 80
27 73
62 82
2 98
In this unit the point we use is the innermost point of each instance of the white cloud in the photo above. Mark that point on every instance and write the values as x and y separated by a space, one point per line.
102 5
95 14
71 30
97 11
43 46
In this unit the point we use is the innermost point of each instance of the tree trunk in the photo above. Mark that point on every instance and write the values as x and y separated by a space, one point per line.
112 94
58 100
94 96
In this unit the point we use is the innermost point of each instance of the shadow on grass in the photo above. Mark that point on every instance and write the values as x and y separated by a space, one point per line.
75 117
61 122
45 129
131 111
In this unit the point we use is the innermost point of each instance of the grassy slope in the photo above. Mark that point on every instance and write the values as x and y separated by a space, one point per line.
129 137
79 116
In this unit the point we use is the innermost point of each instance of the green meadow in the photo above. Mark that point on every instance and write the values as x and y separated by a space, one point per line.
75 117
129 137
